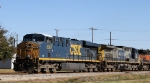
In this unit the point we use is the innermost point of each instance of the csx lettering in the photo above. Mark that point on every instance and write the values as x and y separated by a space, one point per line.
120 53
75 49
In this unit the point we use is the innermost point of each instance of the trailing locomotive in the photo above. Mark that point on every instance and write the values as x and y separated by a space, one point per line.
45 53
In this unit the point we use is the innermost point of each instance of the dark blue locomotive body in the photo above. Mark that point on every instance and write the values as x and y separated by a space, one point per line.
66 49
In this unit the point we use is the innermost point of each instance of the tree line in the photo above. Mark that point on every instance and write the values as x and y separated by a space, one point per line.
7 48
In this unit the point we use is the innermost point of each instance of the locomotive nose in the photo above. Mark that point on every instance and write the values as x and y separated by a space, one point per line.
28 49
29 53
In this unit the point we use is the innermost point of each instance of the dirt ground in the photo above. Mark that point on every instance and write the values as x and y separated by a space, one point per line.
7 71
121 78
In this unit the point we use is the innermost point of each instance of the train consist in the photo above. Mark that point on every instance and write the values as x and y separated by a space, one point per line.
45 53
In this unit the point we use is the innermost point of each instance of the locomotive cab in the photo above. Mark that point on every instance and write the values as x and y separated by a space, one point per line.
30 47
38 38
28 51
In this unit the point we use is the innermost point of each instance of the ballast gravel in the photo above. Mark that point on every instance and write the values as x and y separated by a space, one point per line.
58 75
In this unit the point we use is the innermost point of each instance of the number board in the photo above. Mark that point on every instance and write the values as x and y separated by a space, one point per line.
48 46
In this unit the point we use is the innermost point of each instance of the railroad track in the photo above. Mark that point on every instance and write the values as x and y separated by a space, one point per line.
25 73
64 72
25 76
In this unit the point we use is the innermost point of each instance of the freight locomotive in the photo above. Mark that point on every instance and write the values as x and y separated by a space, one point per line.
46 53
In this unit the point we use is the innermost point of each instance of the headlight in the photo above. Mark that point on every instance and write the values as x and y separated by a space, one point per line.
29 56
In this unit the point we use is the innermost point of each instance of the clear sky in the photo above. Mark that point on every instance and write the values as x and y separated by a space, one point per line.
128 20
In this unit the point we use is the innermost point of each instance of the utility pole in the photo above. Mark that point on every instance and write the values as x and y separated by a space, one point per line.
16 40
110 38
14 43
56 32
92 32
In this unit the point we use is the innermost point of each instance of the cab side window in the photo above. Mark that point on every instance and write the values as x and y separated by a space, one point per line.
133 54
48 40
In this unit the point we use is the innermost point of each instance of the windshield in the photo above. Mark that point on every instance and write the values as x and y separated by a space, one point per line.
33 37
27 38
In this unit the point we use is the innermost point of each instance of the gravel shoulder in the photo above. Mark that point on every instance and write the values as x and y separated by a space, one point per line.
4 78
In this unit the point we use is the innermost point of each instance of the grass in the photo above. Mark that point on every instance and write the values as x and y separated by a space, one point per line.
121 78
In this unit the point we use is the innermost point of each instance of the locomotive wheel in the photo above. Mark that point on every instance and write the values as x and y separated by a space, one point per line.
105 70
74 71
89 69
30 70
99 69
112 69
94 70
121 70
108 69
85 70
43 70
52 70
130 69
80 70
16 68
136 69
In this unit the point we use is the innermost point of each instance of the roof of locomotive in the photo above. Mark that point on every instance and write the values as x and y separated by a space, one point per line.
41 34
47 35
123 47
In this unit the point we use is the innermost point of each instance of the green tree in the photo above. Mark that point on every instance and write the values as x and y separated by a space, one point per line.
7 49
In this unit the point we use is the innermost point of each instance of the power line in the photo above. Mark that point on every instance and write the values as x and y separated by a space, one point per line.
106 30
122 40
134 40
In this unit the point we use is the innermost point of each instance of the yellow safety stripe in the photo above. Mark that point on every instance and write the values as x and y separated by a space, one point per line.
63 59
